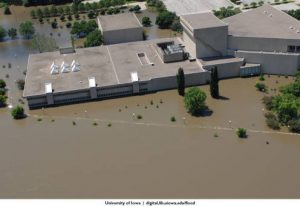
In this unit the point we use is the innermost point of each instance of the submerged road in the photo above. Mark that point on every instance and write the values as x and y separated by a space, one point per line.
185 125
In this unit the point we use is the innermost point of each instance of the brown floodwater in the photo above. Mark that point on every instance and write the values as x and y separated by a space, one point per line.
152 157
70 152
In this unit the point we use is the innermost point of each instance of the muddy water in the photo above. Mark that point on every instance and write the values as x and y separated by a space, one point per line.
152 157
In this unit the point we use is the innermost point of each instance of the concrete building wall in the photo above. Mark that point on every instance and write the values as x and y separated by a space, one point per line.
165 83
37 101
260 44
227 70
189 42
272 63
211 42
122 36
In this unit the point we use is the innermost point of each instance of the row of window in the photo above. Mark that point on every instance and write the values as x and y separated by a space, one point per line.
294 49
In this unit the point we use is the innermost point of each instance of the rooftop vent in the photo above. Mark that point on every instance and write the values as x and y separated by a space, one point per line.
54 68
65 68
134 76
75 66
92 82
48 88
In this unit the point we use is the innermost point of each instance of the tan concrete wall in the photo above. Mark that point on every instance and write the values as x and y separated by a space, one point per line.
211 42
260 44
227 70
171 82
189 43
122 36
273 63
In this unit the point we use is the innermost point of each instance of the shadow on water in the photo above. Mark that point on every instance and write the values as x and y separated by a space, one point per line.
223 98
206 112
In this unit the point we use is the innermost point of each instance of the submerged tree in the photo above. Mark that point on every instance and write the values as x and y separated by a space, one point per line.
18 112
214 83
12 33
26 29
180 82
194 100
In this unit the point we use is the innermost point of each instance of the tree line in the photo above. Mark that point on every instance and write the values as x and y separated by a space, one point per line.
165 19
26 29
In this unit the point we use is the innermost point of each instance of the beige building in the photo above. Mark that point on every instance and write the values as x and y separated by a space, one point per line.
120 28
261 40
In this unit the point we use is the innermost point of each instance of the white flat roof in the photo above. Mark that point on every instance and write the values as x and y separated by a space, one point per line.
264 22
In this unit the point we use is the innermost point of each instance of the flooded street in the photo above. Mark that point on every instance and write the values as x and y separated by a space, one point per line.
101 150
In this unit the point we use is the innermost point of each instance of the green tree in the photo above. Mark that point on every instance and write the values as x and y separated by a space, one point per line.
26 29
146 21
165 19
39 13
2 33
241 132
33 14
12 33
53 10
18 112
20 83
94 38
180 82
214 83
261 87
46 12
226 12
194 100
2 100
7 10
2 84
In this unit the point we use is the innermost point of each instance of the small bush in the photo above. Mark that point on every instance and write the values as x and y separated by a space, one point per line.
95 123
69 25
20 83
267 101
73 123
54 25
272 121
139 117
241 132
173 119
109 125
294 126
261 87
2 84
261 77
2 100
18 112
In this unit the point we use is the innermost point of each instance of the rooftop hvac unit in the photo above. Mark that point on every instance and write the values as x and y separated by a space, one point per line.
65 68
75 66
54 68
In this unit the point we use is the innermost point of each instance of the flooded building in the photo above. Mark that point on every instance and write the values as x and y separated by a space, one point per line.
120 28
106 71
261 40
